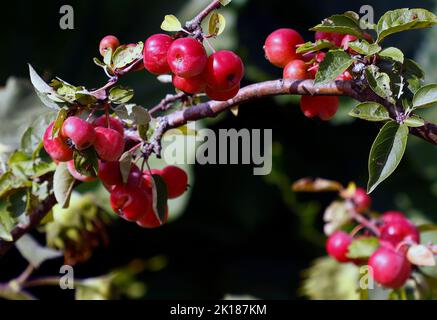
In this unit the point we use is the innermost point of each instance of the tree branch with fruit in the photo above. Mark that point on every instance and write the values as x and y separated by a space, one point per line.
100 134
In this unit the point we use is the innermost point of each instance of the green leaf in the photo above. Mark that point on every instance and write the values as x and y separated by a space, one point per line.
43 90
63 184
402 20
370 111
216 24
160 198
425 97
386 153
143 131
315 46
125 165
34 253
365 48
99 63
59 121
392 53
334 64
414 121
224 3
379 82
427 227
86 162
340 23
363 247
119 95
133 112
171 24
126 55
107 58
6 222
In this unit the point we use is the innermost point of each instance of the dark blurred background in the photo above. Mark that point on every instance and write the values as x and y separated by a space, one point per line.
239 234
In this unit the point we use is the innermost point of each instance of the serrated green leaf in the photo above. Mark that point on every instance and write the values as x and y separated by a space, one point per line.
379 82
171 24
315 46
425 97
119 95
392 53
386 153
414 121
340 23
216 24
362 248
334 64
125 165
365 48
63 184
159 196
370 111
402 20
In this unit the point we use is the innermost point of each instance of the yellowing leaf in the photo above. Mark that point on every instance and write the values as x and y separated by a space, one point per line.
171 24
235 110
420 255
216 24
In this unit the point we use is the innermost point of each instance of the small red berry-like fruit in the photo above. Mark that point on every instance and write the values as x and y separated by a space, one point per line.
109 144
296 69
149 220
221 95
192 85
114 123
280 46
345 41
335 38
108 42
224 70
362 200
155 53
392 216
323 107
80 132
56 146
186 57
130 202
109 173
147 176
76 175
337 246
176 180
345 76
389 268
398 230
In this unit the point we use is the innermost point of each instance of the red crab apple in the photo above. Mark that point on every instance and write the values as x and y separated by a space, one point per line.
345 42
337 246
77 175
56 146
155 53
280 46
150 220
108 42
399 230
389 268
221 95
323 107
109 173
130 202
114 123
192 85
362 200
176 180
224 70
335 38
109 144
186 57
80 132
296 69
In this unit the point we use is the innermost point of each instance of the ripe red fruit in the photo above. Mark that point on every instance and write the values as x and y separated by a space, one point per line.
323 107
130 202
362 200
345 41
398 230
176 180
114 123
296 69
109 173
392 216
320 56
76 175
109 144
56 146
80 132
337 246
155 53
147 176
108 42
335 38
190 85
221 95
280 46
149 220
224 70
390 268
345 76
186 57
